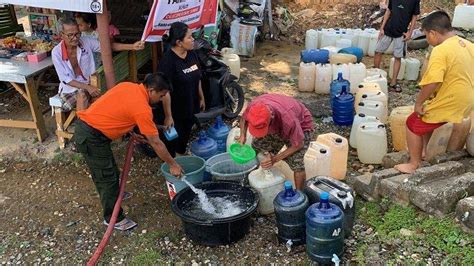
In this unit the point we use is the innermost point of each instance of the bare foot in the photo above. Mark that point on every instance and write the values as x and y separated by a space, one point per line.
406 168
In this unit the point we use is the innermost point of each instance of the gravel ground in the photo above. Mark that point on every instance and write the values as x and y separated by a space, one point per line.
49 211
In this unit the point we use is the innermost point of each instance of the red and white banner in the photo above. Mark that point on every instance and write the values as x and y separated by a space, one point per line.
195 13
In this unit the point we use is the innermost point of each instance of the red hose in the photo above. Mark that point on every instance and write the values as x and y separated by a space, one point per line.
110 228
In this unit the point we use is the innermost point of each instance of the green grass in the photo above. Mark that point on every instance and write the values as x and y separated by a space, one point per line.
445 235
317 120
396 218
60 157
3 248
147 253
369 213
149 257
293 82
47 253
441 233
9 242
77 158
360 254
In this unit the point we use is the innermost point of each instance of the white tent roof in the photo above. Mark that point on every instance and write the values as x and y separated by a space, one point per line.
89 6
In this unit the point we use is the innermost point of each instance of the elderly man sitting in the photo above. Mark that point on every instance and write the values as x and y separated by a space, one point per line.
73 60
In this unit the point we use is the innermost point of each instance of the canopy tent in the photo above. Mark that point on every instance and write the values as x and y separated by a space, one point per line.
89 6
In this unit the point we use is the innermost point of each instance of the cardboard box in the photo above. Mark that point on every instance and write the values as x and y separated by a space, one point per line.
36 57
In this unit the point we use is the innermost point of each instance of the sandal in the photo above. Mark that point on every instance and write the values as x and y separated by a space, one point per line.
396 88
124 225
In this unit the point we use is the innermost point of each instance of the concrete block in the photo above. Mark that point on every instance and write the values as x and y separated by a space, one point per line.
378 177
465 214
394 158
442 170
439 197
361 184
394 189
468 164
367 185
449 156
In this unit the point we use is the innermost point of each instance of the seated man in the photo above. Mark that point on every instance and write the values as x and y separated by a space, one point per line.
73 60
286 121
447 87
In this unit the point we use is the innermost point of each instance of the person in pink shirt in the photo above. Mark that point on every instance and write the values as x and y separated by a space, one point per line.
279 120
113 30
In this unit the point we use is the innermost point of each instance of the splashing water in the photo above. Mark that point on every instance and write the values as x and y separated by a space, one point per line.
214 206
206 205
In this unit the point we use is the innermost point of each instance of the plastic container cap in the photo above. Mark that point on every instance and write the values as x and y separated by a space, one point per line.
241 153
342 194
288 185
324 196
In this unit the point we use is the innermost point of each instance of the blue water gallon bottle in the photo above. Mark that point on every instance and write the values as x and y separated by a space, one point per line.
343 108
340 194
203 146
318 56
336 86
219 132
290 206
324 230
358 52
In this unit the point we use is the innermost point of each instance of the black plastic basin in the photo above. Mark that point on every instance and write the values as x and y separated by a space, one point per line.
216 231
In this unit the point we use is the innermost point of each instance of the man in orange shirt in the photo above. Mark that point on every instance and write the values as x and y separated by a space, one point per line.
113 115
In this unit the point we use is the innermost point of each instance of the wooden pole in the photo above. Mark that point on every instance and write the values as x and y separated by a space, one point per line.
106 47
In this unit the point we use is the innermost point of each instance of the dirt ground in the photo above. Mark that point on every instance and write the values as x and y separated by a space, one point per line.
50 213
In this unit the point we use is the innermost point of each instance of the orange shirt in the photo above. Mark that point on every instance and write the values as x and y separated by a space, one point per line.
120 109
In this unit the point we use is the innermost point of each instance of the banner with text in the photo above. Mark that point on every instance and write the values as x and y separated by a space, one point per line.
89 6
195 13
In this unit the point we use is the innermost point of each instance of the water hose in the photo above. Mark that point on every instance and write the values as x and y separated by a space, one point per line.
123 179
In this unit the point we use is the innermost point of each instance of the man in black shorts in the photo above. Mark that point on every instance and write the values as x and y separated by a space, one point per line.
397 27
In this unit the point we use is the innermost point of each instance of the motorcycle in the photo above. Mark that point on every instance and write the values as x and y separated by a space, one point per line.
222 93
250 12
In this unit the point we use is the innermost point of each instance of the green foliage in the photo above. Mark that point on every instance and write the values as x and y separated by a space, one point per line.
360 254
441 233
317 120
77 158
48 253
59 157
149 257
445 235
370 213
293 82
396 218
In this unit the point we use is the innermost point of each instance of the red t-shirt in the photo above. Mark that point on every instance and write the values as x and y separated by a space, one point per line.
120 109
290 117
